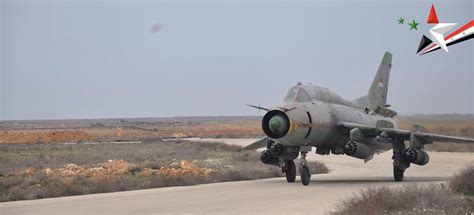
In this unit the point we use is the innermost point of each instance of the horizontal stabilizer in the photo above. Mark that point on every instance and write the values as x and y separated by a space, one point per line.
385 111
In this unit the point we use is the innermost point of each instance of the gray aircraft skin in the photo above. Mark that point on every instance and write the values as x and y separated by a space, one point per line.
312 116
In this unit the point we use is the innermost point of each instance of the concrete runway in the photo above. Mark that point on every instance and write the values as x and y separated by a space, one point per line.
348 175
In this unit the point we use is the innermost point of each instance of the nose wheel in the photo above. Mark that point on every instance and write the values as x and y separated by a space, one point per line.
290 171
304 170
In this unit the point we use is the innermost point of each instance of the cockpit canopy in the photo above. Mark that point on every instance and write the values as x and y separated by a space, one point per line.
297 94
307 93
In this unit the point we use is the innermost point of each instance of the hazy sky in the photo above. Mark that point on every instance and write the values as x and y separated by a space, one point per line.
100 59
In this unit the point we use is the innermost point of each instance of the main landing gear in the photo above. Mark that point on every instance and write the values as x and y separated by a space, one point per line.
400 161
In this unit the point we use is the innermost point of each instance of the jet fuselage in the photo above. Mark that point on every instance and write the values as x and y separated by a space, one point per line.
314 122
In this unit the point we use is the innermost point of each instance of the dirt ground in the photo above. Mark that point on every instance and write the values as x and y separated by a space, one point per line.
114 168
33 171
77 131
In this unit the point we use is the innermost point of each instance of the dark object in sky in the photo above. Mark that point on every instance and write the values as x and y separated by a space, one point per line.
425 41
311 116
155 28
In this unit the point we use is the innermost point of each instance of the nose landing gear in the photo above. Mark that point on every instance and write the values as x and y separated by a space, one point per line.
304 170
290 171
283 156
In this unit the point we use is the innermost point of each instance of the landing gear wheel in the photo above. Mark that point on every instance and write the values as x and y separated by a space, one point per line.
304 170
305 175
290 171
400 161
398 173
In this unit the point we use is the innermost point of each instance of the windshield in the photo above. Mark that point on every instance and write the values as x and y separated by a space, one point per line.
291 94
296 94
302 96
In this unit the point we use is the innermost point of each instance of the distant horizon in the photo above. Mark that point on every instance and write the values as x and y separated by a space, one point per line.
216 116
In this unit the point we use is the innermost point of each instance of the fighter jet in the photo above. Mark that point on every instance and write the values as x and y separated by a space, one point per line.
311 116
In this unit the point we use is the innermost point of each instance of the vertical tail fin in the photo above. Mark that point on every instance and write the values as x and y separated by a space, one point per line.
377 95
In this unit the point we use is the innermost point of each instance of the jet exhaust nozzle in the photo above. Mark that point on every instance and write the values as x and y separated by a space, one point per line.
417 156
275 124
357 150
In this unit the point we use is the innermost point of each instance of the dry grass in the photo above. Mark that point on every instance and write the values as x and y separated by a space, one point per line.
228 163
101 130
415 199
463 182
450 147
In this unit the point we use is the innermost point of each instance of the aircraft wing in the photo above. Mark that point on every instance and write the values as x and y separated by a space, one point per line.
443 138
417 132
257 144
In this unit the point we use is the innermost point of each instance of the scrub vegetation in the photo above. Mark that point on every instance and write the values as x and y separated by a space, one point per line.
53 170
455 197
463 182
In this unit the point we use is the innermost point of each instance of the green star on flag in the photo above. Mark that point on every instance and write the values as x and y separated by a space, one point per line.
401 20
413 25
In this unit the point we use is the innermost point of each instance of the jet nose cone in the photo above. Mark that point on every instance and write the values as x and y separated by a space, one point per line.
278 124
275 124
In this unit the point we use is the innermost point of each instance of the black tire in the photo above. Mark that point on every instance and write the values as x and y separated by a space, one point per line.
305 175
290 171
398 174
